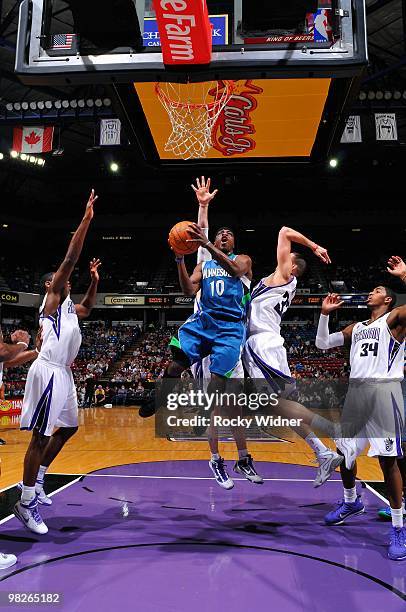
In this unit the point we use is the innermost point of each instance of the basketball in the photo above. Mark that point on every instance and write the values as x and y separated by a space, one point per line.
178 236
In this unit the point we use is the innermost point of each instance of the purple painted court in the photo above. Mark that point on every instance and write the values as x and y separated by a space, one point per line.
164 537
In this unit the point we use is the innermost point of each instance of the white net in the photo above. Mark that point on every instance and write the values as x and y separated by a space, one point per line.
193 110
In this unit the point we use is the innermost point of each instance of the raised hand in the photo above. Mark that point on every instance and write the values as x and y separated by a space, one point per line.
94 269
202 191
397 267
20 336
322 254
330 303
89 206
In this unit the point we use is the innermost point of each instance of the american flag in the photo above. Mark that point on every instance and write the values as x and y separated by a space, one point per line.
62 41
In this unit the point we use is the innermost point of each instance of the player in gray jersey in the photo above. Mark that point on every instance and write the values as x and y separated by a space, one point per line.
373 411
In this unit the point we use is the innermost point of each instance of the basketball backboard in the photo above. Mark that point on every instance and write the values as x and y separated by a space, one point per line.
319 36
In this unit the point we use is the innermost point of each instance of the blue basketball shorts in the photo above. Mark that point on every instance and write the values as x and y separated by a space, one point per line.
202 335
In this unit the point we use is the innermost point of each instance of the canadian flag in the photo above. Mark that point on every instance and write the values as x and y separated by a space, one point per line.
33 139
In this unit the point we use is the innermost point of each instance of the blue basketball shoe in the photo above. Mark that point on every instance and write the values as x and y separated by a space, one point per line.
343 511
397 546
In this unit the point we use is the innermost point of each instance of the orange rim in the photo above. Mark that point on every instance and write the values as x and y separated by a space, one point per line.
230 86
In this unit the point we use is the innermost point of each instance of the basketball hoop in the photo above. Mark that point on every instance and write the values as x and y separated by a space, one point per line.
193 110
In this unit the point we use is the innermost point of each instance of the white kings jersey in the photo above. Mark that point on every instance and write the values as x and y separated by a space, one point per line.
375 354
268 305
61 335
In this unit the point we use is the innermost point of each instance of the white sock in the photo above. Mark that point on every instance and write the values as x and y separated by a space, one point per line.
215 456
28 495
315 444
397 517
242 453
333 430
41 473
350 495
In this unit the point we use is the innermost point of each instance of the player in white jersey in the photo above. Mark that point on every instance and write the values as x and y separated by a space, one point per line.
50 395
373 411
201 370
264 353
13 355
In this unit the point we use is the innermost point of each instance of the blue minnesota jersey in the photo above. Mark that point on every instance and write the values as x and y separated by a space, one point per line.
223 296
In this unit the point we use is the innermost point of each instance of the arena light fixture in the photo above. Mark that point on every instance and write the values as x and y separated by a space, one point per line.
371 95
81 103
90 102
114 167
17 106
33 159
333 163
5 225
13 154
362 95
379 95
9 106
388 95
106 102
250 230
41 105
98 103
356 229
48 104
404 95
397 95
1 156
58 104
24 105
73 103
23 157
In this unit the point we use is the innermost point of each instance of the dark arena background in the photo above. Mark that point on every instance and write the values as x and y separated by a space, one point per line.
296 110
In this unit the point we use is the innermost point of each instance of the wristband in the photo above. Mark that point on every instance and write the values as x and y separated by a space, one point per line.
179 259
207 243
25 344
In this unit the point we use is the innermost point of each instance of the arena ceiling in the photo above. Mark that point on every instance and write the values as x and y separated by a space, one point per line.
387 71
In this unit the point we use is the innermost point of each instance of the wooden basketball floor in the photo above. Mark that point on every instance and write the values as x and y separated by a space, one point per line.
117 436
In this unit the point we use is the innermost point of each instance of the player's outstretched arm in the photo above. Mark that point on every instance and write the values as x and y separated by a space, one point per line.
20 340
86 306
325 340
242 266
73 253
26 356
286 236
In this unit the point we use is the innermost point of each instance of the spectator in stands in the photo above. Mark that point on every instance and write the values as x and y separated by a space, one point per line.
89 394
99 396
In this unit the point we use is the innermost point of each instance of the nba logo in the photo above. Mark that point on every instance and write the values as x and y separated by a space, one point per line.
319 24
322 27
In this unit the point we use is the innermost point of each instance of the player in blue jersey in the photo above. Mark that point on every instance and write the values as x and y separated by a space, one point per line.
217 328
